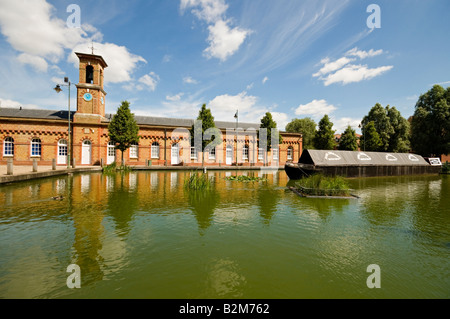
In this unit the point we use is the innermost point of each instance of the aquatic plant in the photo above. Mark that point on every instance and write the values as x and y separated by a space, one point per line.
245 179
113 168
320 185
198 181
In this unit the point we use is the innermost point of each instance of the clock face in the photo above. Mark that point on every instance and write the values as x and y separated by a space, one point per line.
87 97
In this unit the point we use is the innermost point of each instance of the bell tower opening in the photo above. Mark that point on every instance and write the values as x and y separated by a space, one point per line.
90 74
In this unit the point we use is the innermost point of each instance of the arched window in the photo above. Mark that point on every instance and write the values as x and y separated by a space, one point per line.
36 148
290 153
245 152
155 150
134 150
8 146
90 74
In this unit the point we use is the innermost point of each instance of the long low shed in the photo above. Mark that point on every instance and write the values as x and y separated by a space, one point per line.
359 164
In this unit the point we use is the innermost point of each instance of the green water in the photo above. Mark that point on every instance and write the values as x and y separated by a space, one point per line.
142 235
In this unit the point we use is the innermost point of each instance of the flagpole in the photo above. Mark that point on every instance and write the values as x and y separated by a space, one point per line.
236 116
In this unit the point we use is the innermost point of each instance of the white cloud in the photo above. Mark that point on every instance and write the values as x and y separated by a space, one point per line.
189 80
282 120
223 108
14 104
207 10
174 98
355 73
332 66
38 63
316 109
167 58
346 73
364 54
121 62
150 81
341 124
265 80
224 41
31 28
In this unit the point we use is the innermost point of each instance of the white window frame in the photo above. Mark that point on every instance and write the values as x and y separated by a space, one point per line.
290 153
64 147
36 142
155 150
260 154
8 147
134 150
275 154
245 151
212 154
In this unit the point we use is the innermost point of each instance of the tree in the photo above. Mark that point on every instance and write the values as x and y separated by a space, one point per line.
393 129
324 138
348 141
399 141
268 123
123 129
430 128
378 115
371 140
208 123
307 127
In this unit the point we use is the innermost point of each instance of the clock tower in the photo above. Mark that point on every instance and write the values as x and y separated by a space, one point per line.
90 93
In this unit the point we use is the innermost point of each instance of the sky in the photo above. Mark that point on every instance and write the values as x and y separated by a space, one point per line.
295 59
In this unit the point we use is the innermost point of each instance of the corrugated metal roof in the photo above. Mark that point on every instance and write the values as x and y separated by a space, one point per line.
349 158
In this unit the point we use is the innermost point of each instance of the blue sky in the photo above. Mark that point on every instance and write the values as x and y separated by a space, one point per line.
293 58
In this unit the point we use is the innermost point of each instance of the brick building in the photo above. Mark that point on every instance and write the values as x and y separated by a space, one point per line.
27 134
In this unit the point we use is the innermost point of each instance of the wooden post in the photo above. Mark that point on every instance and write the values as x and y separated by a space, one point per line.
35 165
74 163
54 164
9 167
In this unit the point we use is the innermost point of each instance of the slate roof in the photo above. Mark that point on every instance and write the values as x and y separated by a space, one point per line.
34 114
141 120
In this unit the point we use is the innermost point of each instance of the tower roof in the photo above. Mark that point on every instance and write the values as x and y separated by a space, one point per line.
99 58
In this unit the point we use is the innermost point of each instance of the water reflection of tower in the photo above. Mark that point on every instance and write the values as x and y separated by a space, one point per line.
87 221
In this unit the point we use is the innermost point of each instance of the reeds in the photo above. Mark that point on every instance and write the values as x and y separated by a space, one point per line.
198 181
320 185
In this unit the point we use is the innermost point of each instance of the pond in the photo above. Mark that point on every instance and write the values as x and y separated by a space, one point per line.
142 235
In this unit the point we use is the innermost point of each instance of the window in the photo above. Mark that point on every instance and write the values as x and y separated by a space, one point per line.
261 154
290 153
275 152
155 150
62 148
193 153
8 147
245 153
134 150
36 148
111 149
212 154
